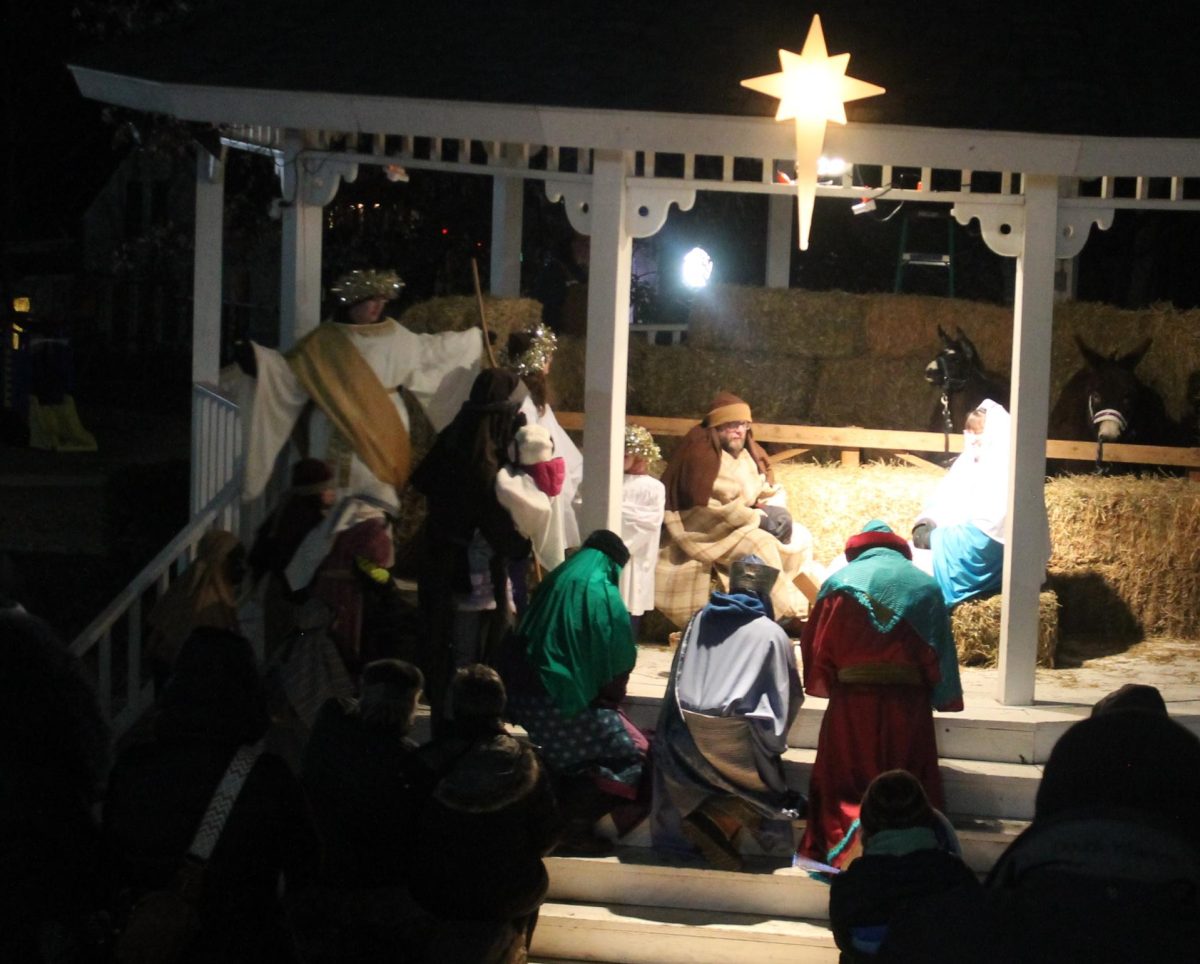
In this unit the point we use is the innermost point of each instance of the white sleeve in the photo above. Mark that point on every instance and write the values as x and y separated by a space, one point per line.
278 400
439 371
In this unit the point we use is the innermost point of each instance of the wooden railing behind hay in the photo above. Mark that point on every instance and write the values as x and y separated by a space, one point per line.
850 443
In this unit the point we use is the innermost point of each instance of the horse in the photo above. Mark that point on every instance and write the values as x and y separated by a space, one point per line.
964 382
1106 402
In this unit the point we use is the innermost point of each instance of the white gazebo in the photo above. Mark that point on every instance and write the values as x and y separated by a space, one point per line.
323 120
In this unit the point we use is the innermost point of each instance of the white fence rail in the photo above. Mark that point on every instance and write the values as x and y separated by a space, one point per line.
111 647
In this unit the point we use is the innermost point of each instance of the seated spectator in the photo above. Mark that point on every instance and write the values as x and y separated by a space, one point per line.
572 657
213 704
909 852
722 732
356 771
963 522
53 762
206 595
1109 870
486 818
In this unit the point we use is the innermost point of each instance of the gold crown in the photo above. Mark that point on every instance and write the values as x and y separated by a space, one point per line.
356 286
639 442
535 358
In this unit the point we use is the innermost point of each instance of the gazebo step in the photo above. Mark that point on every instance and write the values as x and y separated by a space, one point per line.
635 934
993 790
983 840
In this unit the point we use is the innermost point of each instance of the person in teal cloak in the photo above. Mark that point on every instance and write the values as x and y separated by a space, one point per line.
878 645
571 662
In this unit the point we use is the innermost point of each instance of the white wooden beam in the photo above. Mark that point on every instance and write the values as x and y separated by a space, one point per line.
779 239
607 343
1033 320
508 200
206 271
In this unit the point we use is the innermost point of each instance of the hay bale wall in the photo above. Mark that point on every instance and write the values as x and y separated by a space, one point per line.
1126 559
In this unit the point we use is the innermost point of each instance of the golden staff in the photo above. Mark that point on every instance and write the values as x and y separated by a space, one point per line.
487 332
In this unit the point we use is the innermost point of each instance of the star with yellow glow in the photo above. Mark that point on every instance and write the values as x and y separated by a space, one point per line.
812 89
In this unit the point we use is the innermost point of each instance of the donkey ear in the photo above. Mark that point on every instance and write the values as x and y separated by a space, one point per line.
1093 358
1130 361
947 341
967 346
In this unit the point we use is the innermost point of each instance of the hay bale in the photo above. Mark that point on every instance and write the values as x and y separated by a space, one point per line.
880 393
680 380
779 321
1126 556
460 312
900 325
976 627
834 502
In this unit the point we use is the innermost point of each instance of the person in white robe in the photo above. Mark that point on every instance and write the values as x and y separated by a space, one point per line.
531 491
642 500
962 523
530 353
351 369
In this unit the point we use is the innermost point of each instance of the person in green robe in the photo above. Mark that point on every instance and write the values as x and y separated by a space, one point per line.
567 676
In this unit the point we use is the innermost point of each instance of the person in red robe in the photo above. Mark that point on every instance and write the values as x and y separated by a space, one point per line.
878 645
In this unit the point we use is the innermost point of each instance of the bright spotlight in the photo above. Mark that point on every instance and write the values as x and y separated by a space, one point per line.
831 167
697 268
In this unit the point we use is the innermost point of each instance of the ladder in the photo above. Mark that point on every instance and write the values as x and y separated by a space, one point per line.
919 245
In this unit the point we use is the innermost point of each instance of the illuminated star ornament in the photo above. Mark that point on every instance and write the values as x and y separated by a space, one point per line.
812 89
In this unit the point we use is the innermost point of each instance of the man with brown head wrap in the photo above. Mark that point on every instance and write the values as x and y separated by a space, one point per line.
722 504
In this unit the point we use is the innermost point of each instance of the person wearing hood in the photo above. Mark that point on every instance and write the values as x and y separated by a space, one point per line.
878 646
962 524
733 694
569 666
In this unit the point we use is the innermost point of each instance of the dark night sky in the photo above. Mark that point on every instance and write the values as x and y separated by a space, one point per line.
1024 65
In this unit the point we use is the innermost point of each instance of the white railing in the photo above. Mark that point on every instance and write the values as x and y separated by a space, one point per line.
111 646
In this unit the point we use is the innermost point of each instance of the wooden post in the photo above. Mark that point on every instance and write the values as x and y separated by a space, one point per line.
508 199
779 239
607 343
1033 319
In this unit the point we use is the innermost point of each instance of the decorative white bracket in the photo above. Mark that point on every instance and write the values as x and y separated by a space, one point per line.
212 169
646 210
1003 225
649 205
577 201
307 177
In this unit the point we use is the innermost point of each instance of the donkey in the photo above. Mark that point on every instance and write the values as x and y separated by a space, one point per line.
1106 402
964 382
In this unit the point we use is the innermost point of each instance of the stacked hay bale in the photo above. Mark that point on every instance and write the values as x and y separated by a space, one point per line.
835 502
1126 560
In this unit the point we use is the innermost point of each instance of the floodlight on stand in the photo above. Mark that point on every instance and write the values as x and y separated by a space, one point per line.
831 168
21 306
395 173
697 268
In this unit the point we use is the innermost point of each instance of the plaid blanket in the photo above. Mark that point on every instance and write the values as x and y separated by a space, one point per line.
707 538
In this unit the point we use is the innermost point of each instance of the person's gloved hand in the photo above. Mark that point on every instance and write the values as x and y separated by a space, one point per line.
920 534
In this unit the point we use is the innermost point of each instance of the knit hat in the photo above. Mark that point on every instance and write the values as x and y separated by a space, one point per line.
534 445
895 800
726 407
477 693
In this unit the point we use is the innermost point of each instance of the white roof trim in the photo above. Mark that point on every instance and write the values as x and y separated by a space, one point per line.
1061 155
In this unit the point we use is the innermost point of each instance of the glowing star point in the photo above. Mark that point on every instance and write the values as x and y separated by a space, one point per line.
812 89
